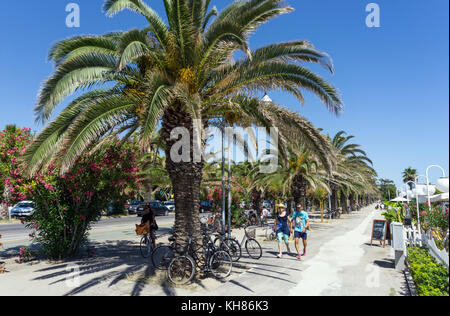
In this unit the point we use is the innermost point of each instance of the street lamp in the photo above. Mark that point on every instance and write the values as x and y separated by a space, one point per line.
417 200
441 184
408 219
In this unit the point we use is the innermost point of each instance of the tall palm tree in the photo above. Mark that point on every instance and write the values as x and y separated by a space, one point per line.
172 75
409 174
354 174
303 170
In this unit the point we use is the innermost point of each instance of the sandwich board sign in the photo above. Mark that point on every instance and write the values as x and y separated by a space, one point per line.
379 231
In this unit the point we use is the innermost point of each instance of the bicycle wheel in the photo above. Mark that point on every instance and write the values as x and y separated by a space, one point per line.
272 236
221 264
181 270
233 248
162 256
145 246
253 248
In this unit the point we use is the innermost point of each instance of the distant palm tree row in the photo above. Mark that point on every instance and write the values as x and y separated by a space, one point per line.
143 81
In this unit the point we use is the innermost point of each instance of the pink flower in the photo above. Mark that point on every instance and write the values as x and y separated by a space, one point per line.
83 218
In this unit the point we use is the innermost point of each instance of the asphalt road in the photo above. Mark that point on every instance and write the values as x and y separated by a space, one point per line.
19 233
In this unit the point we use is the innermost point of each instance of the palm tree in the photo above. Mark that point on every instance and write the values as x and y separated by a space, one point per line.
303 170
354 175
409 174
172 75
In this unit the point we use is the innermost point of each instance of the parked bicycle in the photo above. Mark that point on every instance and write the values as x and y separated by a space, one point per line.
269 233
182 269
230 245
234 247
162 255
332 213
214 222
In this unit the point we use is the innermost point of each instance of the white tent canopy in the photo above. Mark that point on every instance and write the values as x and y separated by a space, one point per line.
439 197
399 199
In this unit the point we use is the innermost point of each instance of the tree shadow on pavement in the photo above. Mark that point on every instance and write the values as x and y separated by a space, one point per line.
113 261
385 263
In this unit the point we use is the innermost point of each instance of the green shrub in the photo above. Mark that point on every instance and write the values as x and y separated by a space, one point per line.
430 277
394 212
67 204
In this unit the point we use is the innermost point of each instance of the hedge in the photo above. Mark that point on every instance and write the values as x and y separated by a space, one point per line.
430 277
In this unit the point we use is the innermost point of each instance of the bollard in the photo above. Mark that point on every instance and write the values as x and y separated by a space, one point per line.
399 245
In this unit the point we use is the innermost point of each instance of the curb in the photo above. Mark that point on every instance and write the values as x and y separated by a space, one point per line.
410 281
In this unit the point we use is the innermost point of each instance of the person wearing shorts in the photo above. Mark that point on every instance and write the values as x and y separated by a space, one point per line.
283 229
300 221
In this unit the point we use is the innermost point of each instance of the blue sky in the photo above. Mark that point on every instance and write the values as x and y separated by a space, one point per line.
393 79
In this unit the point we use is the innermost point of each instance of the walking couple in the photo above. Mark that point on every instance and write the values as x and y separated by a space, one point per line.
285 225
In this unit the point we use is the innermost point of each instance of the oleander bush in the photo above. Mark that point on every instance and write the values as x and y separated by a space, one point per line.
67 204
13 186
430 277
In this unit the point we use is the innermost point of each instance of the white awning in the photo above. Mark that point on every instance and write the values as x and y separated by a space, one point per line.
399 199
439 197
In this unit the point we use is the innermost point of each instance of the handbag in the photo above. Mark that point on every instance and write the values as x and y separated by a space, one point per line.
154 226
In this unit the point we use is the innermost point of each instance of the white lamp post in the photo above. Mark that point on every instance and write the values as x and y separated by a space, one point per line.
417 201
408 213
442 183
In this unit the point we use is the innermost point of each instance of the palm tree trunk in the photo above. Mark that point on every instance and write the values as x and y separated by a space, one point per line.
299 187
258 199
334 193
148 192
186 178
344 203
352 201
4 210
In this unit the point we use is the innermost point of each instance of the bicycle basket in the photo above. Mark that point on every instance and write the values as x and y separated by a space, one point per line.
142 229
250 233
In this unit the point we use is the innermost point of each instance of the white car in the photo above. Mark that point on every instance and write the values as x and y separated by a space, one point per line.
23 209
170 205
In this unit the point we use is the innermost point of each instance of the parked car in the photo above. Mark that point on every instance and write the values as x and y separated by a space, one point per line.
267 204
132 207
157 207
205 207
23 209
170 205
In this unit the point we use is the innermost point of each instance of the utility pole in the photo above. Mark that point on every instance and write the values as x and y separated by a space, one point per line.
223 175
229 187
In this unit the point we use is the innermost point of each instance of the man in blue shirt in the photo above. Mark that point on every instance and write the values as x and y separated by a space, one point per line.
300 220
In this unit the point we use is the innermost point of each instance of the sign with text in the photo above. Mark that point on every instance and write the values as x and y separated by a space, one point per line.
379 231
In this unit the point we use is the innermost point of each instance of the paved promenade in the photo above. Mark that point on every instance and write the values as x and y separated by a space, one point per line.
340 261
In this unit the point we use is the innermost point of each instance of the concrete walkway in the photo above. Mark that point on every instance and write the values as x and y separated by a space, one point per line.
340 261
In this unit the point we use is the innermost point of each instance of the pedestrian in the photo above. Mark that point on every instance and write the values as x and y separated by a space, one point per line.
264 215
282 227
148 218
300 221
